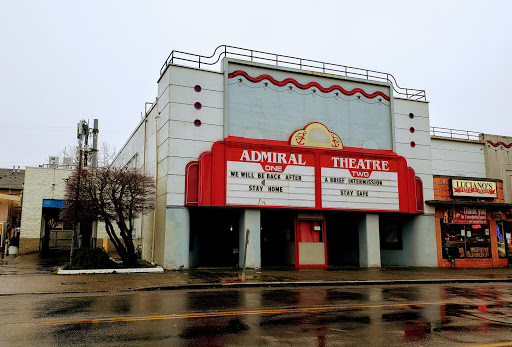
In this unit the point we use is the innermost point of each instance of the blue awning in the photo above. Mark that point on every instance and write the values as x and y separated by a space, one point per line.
53 203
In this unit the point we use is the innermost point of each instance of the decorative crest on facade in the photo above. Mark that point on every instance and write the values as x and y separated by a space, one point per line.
316 135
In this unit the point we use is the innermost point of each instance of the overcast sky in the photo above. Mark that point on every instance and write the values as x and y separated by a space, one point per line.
62 61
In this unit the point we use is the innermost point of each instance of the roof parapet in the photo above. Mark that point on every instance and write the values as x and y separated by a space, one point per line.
197 60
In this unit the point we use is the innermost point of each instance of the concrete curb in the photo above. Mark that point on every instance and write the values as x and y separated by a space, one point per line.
320 284
158 269
202 286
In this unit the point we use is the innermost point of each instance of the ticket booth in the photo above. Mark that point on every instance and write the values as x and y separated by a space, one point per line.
310 243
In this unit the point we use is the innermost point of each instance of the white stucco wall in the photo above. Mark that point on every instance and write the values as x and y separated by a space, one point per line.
43 183
187 141
418 232
168 132
458 158
40 183
140 152
499 161
418 157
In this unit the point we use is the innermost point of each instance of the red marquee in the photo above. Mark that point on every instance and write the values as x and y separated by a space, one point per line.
242 172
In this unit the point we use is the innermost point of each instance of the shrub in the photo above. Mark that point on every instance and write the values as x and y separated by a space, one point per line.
91 258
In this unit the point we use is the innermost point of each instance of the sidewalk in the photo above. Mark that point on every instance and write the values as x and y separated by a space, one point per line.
33 274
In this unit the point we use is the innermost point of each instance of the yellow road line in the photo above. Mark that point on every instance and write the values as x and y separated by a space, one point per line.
502 344
235 313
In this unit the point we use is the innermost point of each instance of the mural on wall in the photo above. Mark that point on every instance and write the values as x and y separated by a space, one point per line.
270 104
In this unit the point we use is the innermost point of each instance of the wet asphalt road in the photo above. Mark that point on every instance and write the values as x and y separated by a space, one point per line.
419 315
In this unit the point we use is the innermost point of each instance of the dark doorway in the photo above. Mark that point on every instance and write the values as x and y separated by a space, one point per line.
507 228
214 237
277 238
56 234
342 238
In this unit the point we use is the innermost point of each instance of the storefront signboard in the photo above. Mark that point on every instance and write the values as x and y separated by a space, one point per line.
466 215
474 189
273 178
359 183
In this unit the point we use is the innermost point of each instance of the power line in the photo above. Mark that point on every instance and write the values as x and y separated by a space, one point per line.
23 128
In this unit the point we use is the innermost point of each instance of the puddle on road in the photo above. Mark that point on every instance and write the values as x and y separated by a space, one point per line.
72 283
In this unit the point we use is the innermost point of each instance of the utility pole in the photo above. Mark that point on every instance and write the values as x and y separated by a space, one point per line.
94 155
94 163
85 133
82 129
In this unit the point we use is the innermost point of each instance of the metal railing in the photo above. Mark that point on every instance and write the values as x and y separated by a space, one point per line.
196 60
455 133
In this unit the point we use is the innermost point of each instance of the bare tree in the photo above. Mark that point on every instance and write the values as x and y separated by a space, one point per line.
69 152
114 196
106 154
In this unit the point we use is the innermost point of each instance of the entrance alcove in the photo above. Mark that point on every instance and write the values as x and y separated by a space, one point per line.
214 237
342 238
277 238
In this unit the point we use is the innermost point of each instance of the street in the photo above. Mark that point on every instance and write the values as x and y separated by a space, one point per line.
414 315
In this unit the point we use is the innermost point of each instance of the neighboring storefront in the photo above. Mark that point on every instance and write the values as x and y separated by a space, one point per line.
472 222
43 198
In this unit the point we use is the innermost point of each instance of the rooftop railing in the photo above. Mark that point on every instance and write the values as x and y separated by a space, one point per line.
196 60
455 133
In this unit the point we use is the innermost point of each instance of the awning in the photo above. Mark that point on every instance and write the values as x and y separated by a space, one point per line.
53 203
496 205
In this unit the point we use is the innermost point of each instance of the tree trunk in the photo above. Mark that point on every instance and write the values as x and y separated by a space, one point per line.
131 257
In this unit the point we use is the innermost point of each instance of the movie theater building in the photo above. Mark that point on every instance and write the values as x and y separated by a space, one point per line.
313 164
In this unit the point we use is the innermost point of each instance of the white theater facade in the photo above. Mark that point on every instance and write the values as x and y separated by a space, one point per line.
317 164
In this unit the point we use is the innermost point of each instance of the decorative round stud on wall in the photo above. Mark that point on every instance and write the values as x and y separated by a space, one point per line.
197 123
197 88
198 105
412 130
413 144
411 115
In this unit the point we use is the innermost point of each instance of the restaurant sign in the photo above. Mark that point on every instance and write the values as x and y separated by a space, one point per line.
473 189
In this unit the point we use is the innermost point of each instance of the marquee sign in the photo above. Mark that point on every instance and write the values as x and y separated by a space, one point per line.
263 173
473 189
362 183
257 177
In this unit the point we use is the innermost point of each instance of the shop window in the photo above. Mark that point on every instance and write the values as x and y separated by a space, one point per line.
465 240
390 233
502 244
507 230
310 231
